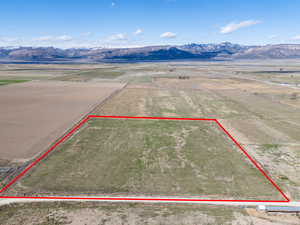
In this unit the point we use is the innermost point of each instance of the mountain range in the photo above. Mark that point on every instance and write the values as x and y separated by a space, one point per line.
222 51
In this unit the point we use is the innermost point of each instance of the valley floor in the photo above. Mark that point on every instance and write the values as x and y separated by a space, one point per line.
251 99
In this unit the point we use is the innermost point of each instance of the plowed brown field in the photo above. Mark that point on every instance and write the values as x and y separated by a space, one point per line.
34 114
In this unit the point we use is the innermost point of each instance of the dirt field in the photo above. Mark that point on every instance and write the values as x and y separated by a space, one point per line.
131 214
34 114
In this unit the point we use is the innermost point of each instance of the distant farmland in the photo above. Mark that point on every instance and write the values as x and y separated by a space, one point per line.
261 110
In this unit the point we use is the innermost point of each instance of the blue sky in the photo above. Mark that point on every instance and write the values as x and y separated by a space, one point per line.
122 23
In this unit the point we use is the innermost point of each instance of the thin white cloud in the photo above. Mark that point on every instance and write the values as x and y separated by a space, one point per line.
235 26
296 37
9 39
53 38
86 34
138 31
168 35
64 38
118 37
273 36
44 38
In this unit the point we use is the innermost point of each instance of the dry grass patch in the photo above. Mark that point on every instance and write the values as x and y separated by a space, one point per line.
145 157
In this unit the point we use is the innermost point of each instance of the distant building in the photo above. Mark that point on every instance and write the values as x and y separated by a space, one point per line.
286 209
183 77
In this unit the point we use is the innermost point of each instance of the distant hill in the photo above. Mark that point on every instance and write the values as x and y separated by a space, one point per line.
283 51
223 51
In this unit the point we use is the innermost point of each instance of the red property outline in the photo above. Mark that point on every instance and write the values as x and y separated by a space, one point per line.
68 134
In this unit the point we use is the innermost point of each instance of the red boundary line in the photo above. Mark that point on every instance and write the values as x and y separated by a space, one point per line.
68 134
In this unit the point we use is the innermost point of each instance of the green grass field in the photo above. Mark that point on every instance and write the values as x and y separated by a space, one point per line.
147 157
86 75
5 82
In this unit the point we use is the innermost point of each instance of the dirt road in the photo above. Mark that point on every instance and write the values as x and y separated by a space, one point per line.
117 199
